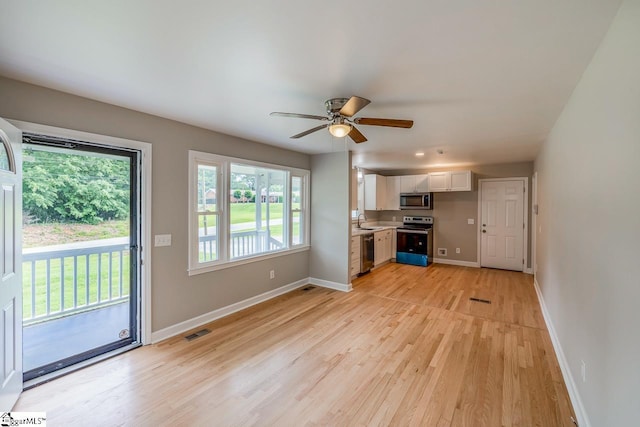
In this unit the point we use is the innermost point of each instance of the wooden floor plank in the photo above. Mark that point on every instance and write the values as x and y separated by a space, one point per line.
406 347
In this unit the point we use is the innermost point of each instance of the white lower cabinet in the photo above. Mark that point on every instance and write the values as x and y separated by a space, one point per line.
355 255
382 247
378 248
394 243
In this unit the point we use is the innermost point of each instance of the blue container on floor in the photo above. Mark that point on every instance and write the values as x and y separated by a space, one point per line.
413 259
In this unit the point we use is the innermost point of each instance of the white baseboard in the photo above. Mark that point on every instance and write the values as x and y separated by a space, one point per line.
456 262
528 270
578 407
331 285
182 327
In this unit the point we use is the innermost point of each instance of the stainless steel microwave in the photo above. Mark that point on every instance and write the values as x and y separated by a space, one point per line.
416 200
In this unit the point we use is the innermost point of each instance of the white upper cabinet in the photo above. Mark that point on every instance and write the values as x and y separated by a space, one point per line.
450 181
422 183
414 184
439 181
461 180
393 193
375 192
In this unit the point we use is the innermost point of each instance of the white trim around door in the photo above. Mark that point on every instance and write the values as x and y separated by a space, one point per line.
525 181
145 205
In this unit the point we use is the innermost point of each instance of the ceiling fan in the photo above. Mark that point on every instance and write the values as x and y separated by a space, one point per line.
340 112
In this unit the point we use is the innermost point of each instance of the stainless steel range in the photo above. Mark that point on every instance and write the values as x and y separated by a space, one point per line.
415 241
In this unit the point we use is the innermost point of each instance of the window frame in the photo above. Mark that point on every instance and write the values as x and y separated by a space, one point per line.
303 209
223 195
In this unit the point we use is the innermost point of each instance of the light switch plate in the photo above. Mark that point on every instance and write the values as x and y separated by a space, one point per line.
471 221
162 240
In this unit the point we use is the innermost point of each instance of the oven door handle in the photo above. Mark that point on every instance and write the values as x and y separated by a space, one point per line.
399 230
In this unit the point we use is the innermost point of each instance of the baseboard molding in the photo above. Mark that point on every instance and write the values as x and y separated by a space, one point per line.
456 262
182 327
578 407
331 285
528 270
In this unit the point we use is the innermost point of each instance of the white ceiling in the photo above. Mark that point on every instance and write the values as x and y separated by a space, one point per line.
483 80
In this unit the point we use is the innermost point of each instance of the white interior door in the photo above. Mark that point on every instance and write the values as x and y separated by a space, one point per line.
502 224
10 265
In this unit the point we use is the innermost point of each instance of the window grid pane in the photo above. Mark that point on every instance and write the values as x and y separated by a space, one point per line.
297 236
297 232
256 210
208 242
207 188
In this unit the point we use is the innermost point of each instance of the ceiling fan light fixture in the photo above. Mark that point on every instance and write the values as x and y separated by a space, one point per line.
340 130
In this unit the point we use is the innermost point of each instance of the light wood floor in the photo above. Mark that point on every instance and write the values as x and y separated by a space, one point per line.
406 347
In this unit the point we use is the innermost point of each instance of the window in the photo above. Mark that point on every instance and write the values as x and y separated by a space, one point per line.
297 226
243 210
208 213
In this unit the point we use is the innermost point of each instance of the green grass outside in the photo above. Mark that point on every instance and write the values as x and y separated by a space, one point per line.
81 277
246 212
240 213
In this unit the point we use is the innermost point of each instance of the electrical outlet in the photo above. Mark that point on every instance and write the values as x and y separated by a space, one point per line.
272 274
162 240
471 221
457 250
583 371
393 219
442 251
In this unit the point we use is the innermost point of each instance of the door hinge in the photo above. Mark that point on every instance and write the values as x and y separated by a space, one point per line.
523 260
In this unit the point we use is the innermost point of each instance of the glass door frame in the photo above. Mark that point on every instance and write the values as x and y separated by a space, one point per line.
144 212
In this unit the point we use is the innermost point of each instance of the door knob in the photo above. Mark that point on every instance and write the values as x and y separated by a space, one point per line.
484 231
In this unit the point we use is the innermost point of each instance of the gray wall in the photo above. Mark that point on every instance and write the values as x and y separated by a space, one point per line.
451 210
176 297
331 221
588 247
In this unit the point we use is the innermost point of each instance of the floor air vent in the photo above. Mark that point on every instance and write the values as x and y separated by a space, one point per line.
308 288
198 334
484 301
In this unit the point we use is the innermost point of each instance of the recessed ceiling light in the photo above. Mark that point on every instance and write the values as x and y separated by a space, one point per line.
419 154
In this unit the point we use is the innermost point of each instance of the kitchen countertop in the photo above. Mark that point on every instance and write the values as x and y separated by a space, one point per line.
368 228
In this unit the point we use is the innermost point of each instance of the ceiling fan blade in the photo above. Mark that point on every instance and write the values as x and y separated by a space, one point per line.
353 105
299 116
307 132
384 122
356 135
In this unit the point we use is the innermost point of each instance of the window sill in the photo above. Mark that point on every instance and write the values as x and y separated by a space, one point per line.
249 260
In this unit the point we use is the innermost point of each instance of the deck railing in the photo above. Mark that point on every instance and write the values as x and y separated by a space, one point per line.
60 282
242 243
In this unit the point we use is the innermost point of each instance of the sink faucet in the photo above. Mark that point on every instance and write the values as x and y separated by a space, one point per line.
361 215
